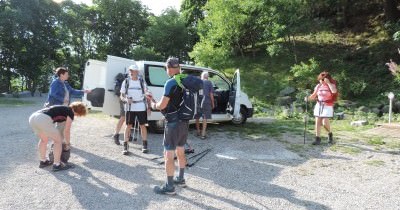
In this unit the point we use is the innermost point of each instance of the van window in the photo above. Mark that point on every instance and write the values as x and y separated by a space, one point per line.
156 75
219 83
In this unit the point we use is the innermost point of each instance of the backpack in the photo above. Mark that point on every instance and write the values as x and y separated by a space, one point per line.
334 95
191 86
118 83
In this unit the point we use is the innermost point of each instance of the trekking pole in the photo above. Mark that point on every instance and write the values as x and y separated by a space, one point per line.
306 117
199 158
135 129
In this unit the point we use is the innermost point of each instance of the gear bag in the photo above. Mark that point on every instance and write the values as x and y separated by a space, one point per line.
191 85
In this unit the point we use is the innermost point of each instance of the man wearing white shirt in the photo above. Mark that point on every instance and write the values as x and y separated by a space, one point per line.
134 97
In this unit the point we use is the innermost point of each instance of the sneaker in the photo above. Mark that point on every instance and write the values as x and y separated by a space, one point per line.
164 190
116 139
180 182
317 141
45 163
144 147
61 167
330 138
126 146
203 137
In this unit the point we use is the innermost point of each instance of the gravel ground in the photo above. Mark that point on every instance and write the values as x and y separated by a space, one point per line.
236 174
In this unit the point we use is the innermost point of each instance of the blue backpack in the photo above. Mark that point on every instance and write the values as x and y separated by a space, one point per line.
190 104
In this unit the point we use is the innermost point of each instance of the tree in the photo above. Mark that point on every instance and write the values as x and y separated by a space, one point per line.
119 26
168 35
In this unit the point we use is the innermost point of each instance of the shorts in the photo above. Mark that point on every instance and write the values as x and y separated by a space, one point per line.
131 116
43 124
121 108
322 110
203 113
175 134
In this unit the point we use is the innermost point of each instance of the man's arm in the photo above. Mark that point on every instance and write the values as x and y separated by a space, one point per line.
162 104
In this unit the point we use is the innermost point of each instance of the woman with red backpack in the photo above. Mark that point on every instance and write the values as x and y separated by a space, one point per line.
325 93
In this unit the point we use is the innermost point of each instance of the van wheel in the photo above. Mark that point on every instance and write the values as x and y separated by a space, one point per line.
156 126
242 117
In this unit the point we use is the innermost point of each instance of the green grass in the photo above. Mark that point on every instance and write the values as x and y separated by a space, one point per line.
375 162
377 141
346 149
14 102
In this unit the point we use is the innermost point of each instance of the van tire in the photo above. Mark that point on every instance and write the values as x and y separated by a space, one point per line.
156 126
243 117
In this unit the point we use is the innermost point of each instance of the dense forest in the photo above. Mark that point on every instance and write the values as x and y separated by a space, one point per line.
277 45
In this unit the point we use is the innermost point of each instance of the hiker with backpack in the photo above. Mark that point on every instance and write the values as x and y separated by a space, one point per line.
178 106
134 94
325 94
119 79
206 107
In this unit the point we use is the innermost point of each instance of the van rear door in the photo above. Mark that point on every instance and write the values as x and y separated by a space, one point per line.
115 65
234 95
94 79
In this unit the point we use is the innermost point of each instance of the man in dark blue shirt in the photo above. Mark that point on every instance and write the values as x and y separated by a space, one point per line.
175 132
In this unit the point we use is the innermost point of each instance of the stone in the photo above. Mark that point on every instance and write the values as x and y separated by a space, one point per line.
359 123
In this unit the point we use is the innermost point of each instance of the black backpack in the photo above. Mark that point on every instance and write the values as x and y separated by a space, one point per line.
190 104
118 83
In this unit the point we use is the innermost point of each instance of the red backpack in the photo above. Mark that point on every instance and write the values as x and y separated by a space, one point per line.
334 95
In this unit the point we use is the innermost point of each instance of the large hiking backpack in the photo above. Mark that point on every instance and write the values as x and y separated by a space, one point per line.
190 104
118 83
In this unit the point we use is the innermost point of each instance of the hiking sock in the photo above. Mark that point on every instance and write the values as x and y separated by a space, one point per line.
330 137
144 147
181 173
170 181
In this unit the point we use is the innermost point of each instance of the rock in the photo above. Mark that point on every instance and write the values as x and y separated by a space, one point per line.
339 115
359 123
284 100
363 109
287 91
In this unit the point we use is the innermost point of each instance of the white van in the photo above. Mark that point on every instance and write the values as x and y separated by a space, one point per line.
231 104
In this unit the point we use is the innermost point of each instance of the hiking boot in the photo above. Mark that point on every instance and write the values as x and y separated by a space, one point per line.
330 138
144 147
180 182
126 146
61 167
164 190
317 141
45 163
116 139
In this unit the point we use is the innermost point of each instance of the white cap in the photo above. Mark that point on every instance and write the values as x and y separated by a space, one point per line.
133 67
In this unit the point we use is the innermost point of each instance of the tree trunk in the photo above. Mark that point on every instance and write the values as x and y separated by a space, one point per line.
391 12
294 49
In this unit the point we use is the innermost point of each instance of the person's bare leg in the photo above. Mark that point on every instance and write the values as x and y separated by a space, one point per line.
203 132
180 153
57 148
119 125
198 127
143 132
127 132
318 122
169 156
42 146
326 124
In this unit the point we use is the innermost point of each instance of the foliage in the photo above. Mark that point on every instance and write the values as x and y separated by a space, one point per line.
168 26
304 73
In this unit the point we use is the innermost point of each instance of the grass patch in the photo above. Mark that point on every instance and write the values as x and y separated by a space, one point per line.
375 162
395 144
14 102
345 149
376 141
